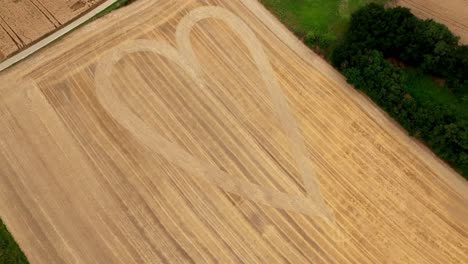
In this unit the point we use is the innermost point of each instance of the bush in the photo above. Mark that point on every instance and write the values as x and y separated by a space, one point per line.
318 39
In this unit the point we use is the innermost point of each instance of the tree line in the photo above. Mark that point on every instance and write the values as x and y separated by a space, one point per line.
375 37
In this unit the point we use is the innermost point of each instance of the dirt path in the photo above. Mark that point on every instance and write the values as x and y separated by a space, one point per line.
453 13
25 22
173 131
53 36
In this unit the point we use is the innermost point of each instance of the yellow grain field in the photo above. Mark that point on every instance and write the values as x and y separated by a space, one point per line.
203 131
24 23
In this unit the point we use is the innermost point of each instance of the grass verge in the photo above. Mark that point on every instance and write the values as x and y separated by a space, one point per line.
114 6
319 23
427 88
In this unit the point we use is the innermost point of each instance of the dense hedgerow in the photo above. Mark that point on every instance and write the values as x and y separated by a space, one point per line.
377 34
10 253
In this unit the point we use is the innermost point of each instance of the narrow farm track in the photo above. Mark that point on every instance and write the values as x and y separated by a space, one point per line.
203 131
452 13
24 22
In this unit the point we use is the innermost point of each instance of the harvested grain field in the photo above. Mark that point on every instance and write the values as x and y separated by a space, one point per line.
203 131
452 13
22 23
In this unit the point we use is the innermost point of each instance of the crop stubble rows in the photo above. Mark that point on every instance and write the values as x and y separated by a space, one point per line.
83 187
22 23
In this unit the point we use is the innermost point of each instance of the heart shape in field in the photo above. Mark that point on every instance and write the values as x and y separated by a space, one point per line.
184 56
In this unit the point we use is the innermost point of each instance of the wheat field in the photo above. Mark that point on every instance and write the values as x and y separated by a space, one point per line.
203 131
24 23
